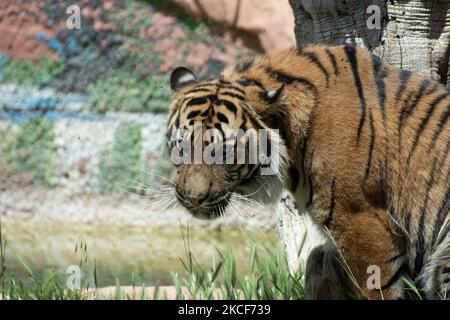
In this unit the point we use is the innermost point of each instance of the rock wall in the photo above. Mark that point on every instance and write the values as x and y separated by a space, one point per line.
144 38
79 143
271 21
20 22
109 75
70 129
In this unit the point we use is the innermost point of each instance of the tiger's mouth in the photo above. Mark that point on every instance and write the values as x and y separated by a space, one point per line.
209 209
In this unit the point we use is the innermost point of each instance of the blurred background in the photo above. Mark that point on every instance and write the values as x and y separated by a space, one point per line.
82 123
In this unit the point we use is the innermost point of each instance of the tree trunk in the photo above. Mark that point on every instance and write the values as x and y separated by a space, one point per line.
410 34
298 233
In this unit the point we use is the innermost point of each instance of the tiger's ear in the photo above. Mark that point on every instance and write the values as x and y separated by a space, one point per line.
181 77
273 96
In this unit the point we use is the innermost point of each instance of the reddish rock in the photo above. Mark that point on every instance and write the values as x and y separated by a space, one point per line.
271 21
198 54
19 25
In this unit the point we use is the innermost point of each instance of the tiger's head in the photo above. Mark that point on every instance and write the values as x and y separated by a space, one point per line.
224 149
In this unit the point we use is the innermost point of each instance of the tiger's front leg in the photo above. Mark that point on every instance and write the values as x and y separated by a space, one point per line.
374 258
325 277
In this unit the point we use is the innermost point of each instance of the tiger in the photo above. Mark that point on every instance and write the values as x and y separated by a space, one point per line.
363 148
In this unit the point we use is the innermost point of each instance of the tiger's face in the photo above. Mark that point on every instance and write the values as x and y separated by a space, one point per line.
224 152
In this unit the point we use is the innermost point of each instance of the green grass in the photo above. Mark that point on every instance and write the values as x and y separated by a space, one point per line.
121 164
29 73
126 91
31 150
266 277
134 17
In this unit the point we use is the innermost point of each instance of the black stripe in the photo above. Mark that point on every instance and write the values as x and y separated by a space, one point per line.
242 67
247 82
222 117
441 215
420 246
332 203
207 112
401 271
313 58
299 51
396 257
230 106
445 153
311 192
392 212
442 122
371 145
295 178
243 125
408 107
431 109
197 101
238 167
198 90
233 95
380 72
444 233
405 75
255 123
288 79
280 76
351 55
332 58
219 127
256 170
303 161
444 208
205 85
408 222
193 114
230 86
214 99
172 116
251 169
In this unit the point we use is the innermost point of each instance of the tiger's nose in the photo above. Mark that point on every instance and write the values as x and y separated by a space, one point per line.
197 196
197 201
196 184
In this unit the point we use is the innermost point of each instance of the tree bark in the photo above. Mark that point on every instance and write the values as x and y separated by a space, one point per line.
298 233
412 35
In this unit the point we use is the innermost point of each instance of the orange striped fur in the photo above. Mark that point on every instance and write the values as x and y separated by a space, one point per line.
368 149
